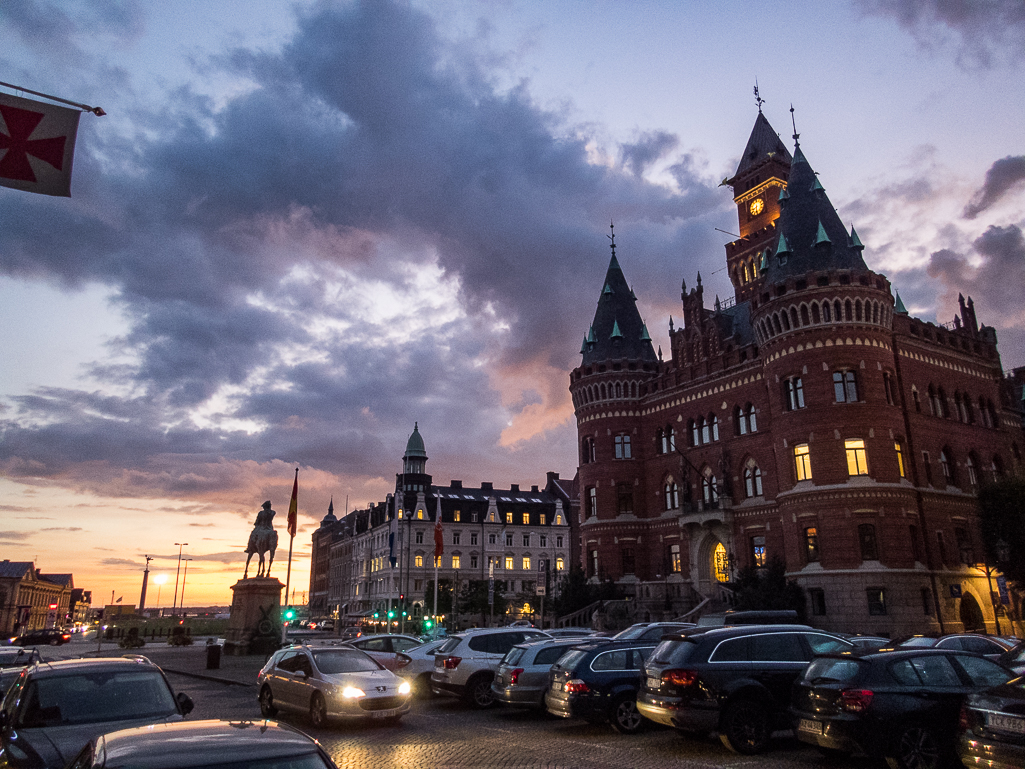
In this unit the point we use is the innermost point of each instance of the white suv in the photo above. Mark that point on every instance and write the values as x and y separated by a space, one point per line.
465 664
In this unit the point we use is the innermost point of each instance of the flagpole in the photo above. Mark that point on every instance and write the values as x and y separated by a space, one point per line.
290 525
84 107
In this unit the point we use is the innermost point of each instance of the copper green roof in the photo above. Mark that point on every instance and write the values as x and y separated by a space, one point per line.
415 444
617 331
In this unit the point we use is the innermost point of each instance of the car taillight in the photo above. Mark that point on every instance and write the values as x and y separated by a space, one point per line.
855 700
514 676
576 686
679 677
451 663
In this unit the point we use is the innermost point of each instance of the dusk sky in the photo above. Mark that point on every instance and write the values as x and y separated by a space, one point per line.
302 228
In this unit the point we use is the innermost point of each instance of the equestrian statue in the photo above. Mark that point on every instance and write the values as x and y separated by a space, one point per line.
262 539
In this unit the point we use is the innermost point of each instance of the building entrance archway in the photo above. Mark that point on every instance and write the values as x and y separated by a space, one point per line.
971 613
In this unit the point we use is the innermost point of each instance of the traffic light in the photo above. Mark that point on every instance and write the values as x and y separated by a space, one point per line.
402 597
391 615
377 615
289 614
428 624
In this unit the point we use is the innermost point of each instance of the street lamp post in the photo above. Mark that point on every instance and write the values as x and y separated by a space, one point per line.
183 584
176 575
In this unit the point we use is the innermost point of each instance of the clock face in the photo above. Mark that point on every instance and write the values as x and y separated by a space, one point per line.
756 206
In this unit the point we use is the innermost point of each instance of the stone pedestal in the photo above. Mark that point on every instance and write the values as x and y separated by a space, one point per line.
255 623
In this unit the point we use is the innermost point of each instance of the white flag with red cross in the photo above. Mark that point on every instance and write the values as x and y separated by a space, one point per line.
37 145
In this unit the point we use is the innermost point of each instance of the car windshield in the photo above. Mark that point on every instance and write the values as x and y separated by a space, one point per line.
331 661
450 644
569 660
827 669
86 698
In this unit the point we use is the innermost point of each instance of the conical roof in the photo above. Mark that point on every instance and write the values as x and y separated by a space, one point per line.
812 237
617 330
763 144
415 445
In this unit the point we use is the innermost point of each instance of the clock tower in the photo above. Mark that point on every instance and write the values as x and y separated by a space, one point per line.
758 185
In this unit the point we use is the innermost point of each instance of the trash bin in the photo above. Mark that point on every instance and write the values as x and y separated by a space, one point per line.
213 657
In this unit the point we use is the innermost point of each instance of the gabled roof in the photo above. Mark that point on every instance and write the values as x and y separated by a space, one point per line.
617 331
763 144
15 569
64 580
812 237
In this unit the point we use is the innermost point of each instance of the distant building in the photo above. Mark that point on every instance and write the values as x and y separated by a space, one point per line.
519 532
30 600
809 418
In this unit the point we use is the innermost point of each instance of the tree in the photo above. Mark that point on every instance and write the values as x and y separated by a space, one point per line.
768 588
1002 525
444 596
574 592
473 599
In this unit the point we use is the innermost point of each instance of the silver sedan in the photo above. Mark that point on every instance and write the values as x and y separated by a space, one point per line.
331 682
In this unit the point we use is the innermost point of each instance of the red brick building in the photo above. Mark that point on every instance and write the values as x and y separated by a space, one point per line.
810 418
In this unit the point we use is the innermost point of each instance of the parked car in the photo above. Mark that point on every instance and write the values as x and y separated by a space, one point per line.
331 682
328 624
465 665
522 675
868 642
12 662
386 642
732 680
187 744
991 646
991 732
598 681
54 708
43 637
1014 658
420 666
651 631
350 633
749 617
901 705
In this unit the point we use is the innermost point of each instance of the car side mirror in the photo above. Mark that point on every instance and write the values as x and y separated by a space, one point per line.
185 703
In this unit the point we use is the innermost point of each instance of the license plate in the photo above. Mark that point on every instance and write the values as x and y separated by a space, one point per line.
380 714
556 687
1005 723
654 683
807 725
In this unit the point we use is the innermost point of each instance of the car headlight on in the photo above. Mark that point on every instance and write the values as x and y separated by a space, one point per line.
405 688
352 693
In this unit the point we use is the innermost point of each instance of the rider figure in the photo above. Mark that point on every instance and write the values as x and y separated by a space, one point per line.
265 518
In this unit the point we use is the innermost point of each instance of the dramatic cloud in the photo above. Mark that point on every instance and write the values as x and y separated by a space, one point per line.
1004 175
369 233
984 31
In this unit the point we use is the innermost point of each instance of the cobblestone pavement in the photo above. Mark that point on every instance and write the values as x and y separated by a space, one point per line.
443 733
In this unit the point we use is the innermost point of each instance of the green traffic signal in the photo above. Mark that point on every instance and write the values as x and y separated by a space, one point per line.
428 624
289 614
391 615
376 615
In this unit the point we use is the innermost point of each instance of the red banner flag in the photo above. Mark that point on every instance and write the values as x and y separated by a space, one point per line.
293 507
439 537
37 145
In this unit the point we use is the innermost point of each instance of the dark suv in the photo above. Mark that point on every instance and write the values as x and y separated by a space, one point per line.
598 681
734 680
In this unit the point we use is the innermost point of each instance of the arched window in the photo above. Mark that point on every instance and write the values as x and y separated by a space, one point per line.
785 320
740 417
619 390
857 310
752 479
825 312
587 451
996 468
848 311
660 441
695 433
947 466
971 463
669 436
709 488
714 421
706 436
815 312
752 418
720 564
837 310
804 315
671 494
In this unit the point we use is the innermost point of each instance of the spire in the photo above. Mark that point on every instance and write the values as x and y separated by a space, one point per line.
583 347
644 333
617 331
670 324
716 306
328 519
899 307
763 145
758 99
817 186
612 245
764 265
782 247
784 195
855 240
821 237
415 445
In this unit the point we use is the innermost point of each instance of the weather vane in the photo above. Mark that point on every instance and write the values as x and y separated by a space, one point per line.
758 99
612 237
792 120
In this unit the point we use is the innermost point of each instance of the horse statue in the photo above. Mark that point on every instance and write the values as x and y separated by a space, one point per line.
262 539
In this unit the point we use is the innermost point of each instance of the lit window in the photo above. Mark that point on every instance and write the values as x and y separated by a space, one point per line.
420 514
455 516
400 513
899 450
526 519
419 561
802 459
544 519
509 562
758 551
526 563
560 564
857 459
720 564
811 544
674 559
508 517
455 562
